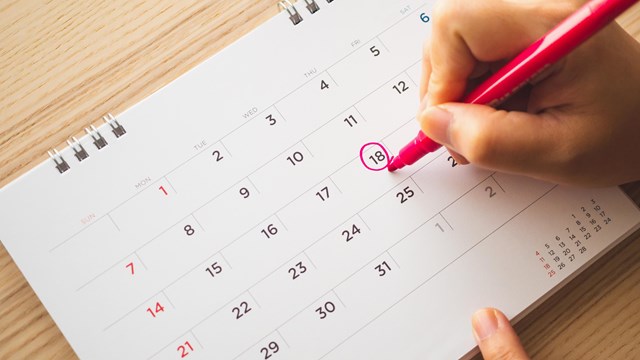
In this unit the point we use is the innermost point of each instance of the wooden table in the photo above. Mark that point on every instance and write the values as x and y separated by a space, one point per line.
64 64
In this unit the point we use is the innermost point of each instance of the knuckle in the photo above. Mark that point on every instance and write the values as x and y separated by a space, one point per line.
445 12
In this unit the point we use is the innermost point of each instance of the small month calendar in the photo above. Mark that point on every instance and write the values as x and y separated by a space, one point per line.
237 212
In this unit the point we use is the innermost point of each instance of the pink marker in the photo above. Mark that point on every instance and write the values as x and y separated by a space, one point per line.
550 48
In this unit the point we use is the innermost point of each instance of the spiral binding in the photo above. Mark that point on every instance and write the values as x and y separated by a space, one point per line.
312 6
79 151
116 128
61 164
294 15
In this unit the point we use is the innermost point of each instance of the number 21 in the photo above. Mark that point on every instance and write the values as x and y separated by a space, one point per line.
184 349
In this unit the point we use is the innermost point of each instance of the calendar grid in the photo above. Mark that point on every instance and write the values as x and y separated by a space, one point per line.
220 140
141 262
331 77
411 78
281 222
336 185
135 252
387 252
416 184
436 273
497 182
196 338
283 323
282 337
221 144
253 297
203 319
246 232
382 42
364 222
363 266
112 221
198 222
445 220
392 258
338 297
304 252
168 299
166 179
254 185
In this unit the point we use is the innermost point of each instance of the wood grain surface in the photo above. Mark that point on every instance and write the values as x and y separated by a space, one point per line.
65 63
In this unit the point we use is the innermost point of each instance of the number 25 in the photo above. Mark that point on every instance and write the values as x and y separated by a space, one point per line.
405 194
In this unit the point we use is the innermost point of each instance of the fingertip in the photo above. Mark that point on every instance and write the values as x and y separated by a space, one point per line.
461 160
484 323
495 335
435 122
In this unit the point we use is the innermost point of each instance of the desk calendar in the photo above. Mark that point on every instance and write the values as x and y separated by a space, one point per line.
231 216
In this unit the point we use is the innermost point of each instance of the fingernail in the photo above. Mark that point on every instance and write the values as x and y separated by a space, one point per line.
485 323
435 123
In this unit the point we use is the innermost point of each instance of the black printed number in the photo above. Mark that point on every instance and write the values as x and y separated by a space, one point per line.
272 121
270 349
491 192
351 121
217 155
401 87
378 157
295 158
374 51
214 269
383 268
405 194
189 230
349 235
297 270
323 85
453 161
323 194
244 192
270 231
241 310
326 309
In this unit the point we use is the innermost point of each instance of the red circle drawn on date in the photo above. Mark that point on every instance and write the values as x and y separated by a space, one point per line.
386 154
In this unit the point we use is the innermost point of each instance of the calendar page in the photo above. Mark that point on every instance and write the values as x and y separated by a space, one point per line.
237 212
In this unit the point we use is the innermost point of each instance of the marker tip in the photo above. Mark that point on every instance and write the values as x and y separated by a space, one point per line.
395 164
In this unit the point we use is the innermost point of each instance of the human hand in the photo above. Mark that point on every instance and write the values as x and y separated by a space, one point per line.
578 124
495 337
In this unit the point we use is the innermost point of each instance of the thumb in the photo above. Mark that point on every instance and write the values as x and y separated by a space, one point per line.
495 337
497 139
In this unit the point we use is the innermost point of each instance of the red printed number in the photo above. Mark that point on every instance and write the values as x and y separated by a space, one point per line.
159 308
130 266
161 188
183 350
